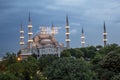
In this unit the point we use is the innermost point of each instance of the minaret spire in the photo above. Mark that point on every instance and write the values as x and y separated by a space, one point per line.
30 40
82 31
82 38
104 34
29 19
67 23
67 33
53 30
104 27
21 37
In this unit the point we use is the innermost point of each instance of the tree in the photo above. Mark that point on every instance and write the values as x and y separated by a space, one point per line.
91 52
39 76
8 59
106 74
45 61
97 58
111 61
98 47
85 52
107 49
30 68
8 76
116 77
69 69
25 69
72 52
65 53
78 53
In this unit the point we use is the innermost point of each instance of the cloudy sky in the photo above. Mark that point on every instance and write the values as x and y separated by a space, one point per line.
89 14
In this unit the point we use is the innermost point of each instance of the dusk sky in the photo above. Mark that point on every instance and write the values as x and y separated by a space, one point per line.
89 14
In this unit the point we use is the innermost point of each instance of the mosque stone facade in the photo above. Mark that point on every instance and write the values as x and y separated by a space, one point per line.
43 43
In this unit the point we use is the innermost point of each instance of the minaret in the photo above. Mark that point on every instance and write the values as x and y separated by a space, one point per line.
83 38
53 30
21 37
30 40
105 35
67 33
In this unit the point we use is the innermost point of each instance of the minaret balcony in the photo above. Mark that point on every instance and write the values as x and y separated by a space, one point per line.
67 33
67 40
82 37
21 43
21 31
21 37
83 42
30 40
30 33
104 39
104 33
52 32
67 26
29 26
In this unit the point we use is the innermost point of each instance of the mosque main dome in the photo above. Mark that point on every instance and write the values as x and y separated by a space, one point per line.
44 39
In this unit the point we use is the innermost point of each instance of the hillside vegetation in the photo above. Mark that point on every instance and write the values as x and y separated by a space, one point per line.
88 63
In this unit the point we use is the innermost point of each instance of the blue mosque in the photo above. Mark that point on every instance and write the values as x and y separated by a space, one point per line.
45 43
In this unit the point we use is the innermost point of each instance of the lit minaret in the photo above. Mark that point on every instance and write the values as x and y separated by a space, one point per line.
105 35
67 33
30 40
21 37
83 38
53 30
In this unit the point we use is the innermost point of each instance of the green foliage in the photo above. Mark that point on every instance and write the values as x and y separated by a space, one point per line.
103 64
19 70
97 58
85 51
24 69
98 47
7 76
91 51
116 77
111 61
107 49
69 69
10 58
65 53
31 59
106 74
45 61
39 76
19 52
78 53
